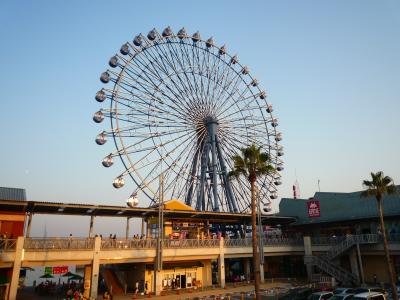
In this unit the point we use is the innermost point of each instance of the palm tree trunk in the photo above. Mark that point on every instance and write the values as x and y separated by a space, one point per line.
386 248
256 257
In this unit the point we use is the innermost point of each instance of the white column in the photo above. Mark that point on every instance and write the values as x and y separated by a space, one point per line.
95 268
19 252
221 263
308 252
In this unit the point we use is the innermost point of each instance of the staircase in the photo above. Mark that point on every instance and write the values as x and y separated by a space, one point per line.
325 264
111 281
348 242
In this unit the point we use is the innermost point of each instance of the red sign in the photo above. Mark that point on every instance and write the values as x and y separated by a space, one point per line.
60 270
313 209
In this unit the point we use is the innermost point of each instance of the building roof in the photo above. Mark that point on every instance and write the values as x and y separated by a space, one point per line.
338 207
7 193
56 208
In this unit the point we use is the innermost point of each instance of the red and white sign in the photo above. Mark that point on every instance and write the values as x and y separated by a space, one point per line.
313 209
60 270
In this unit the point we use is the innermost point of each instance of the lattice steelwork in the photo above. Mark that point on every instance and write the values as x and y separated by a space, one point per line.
182 106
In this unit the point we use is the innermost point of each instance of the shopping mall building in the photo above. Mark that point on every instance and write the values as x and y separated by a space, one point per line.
332 235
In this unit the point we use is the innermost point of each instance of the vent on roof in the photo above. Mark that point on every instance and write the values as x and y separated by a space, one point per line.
12 194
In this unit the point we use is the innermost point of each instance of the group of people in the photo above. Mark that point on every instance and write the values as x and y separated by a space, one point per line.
71 291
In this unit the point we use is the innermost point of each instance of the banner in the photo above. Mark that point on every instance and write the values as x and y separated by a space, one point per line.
313 209
56 270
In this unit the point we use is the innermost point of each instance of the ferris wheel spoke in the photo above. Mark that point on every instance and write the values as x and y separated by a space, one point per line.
164 58
148 83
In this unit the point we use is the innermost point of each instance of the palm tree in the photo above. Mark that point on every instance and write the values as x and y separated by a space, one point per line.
378 187
252 164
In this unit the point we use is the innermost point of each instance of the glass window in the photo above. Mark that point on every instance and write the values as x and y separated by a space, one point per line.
378 297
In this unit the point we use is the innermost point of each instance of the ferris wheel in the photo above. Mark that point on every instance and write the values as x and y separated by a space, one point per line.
181 106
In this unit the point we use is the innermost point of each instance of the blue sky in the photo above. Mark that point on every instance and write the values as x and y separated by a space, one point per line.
331 70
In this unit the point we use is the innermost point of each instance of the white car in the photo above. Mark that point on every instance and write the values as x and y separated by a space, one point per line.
369 296
342 296
320 296
342 290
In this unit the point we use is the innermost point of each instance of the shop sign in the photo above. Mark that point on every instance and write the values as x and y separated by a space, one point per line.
56 270
313 209
60 270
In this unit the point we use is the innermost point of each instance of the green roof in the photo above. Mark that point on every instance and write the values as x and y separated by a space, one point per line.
338 207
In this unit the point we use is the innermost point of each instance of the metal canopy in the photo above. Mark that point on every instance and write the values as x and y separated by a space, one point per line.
54 208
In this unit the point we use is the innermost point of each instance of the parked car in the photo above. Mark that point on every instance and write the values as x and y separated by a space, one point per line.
368 289
369 296
320 296
297 294
342 296
342 290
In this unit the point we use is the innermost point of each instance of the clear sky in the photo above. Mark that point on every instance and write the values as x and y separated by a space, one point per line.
331 70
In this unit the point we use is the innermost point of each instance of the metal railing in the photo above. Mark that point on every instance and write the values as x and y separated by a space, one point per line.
128 244
188 243
350 241
268 242
330 268
8 244
58 243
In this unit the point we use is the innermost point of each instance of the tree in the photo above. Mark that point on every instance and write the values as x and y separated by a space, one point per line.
252 164
379 186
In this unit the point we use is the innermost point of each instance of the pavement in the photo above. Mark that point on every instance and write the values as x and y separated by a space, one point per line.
231 292
240 292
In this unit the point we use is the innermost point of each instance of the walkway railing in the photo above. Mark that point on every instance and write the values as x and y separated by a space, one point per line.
128 244
268 242
58 243
188 243
8 244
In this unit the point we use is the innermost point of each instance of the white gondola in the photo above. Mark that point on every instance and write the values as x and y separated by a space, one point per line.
108 161
105 77
124 49
119 182
167 32
152 34
113 62
182 33
100 96
269 108
101 139
98 116
132 201
274 123
137 41
196 36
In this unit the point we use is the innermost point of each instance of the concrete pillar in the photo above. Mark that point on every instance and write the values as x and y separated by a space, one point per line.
19 252
261 273
91 226
207 274
157 282
28 227
86 281
360 265
353 264
308 252
221 263
127 228
246 267
94 281
142 229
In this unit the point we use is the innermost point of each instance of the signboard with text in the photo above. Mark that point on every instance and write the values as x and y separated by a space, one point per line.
313 209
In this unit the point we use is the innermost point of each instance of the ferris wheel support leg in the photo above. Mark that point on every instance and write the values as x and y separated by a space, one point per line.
211 127
229 195
200 196
189 196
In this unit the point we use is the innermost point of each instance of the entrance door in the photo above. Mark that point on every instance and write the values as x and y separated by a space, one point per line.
183 281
